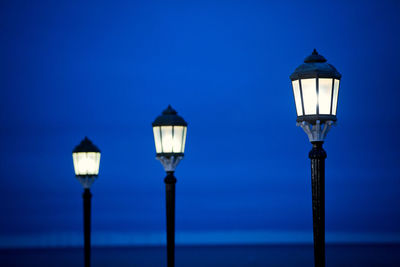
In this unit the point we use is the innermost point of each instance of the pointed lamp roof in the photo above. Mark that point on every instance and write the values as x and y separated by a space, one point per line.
86 146
315 65
169 117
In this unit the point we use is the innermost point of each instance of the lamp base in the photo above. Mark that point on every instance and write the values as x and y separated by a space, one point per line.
86 181
169 163
316 132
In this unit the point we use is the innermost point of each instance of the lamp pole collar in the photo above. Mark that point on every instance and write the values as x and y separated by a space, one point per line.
316 132
169 163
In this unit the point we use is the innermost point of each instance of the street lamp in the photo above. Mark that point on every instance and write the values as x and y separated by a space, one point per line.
170 136
86 158
316 89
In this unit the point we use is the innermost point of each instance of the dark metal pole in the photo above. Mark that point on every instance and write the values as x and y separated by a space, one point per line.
87 196
170 181
318 156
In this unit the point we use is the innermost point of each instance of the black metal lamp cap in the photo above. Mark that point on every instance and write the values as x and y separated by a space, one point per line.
169 111
315 66
86 146
169 117
314 57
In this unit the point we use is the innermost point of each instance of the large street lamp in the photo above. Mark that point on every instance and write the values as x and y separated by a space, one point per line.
316 89
86 158
170 136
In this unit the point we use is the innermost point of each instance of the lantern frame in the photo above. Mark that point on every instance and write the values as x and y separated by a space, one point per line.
316 67
86 146
169 118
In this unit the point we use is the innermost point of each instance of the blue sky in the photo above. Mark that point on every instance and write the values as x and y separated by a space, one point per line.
106 70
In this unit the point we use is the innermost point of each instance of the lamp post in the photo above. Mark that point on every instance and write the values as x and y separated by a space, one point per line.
170 136
316 89
86 158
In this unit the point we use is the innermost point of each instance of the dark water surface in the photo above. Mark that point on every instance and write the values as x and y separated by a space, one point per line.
268 255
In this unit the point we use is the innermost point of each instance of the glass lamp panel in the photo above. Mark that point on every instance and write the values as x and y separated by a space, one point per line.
177 139
297 97
167 139
184 139
97 159
324 95
309 89
157 138
86 163
335 96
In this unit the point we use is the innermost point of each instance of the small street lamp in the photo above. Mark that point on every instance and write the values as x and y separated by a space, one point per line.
170 136
86 158
316 89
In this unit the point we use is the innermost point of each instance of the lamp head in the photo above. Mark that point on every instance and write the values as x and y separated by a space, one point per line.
169 133
315 88
86 159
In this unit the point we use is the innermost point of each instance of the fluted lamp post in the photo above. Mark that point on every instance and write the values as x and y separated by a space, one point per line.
316 89
170 136
86 158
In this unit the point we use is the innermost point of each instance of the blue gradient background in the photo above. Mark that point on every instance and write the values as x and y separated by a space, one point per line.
107 69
